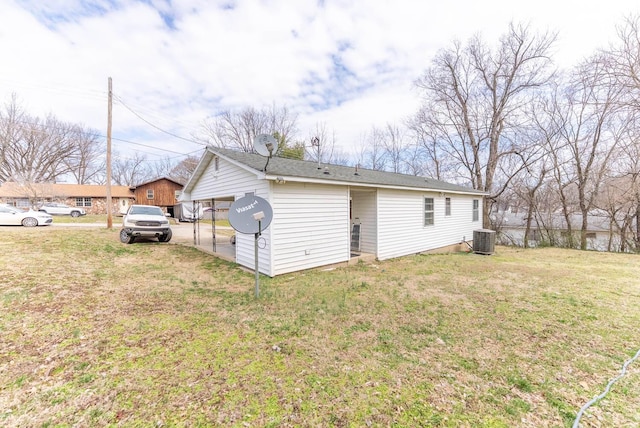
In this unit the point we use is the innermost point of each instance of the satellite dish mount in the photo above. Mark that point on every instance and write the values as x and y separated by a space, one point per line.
265 145
251 214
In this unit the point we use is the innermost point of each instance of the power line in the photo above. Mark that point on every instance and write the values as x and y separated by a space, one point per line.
58 88
147 145
43 127
156 126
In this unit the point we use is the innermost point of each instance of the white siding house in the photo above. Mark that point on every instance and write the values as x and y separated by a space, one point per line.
315 208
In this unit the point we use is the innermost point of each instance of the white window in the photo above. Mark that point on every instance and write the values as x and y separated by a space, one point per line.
428 212
476 210
83 202
447 206
149 193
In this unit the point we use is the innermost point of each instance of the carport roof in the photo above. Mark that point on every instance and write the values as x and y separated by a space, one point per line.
310 171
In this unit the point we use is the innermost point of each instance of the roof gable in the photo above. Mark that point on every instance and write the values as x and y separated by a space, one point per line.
158 180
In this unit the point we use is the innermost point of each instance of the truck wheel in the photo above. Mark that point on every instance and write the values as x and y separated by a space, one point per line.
125 238
166 237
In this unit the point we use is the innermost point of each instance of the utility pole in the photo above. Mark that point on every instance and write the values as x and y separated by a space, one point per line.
109 207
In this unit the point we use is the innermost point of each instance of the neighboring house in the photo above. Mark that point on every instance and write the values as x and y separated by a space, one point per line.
316 207
91 197
553 230
162 192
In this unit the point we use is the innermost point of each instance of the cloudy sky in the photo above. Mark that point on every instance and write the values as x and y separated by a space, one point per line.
347 64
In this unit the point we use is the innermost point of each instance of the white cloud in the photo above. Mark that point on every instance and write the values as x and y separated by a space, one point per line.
346 63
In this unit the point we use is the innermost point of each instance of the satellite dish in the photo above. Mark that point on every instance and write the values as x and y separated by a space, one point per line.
250 214
265 145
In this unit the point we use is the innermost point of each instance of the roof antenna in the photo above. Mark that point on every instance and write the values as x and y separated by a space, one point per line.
265 145
315 142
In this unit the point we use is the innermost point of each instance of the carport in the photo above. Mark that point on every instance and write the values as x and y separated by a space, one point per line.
205 235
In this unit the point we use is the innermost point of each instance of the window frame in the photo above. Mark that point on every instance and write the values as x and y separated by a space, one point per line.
447 207
150 194
429 214
476 210
83 202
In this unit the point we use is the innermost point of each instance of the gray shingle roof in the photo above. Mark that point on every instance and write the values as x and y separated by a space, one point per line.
336 173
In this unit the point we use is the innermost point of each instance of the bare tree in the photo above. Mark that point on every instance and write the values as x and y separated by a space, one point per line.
85 164
395 147
474 96
130 171
594 126
340 157
415 161
372 151
184 169
237 130
622 190
322 144
35 150
429 147
623 59
160 167
284 123
618 200
11 120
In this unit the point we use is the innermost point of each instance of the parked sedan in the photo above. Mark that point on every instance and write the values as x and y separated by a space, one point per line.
62 209
11 216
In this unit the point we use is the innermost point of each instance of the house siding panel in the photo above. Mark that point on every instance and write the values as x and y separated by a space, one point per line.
245 251
312 229
228 181
401 216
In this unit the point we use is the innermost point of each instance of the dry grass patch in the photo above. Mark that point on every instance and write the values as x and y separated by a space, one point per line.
95 333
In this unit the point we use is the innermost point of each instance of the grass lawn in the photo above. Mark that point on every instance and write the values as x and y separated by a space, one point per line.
96 333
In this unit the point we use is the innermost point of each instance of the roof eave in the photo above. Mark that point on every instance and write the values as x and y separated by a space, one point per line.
294 179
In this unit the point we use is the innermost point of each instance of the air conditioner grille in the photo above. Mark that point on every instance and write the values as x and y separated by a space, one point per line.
484 241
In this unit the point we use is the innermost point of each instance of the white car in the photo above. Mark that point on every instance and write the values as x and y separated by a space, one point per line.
145 221
12 216
62 209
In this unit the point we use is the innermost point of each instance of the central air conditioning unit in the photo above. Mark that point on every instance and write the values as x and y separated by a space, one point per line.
484 241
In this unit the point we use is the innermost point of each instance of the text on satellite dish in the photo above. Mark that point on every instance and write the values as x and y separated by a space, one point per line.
247 207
